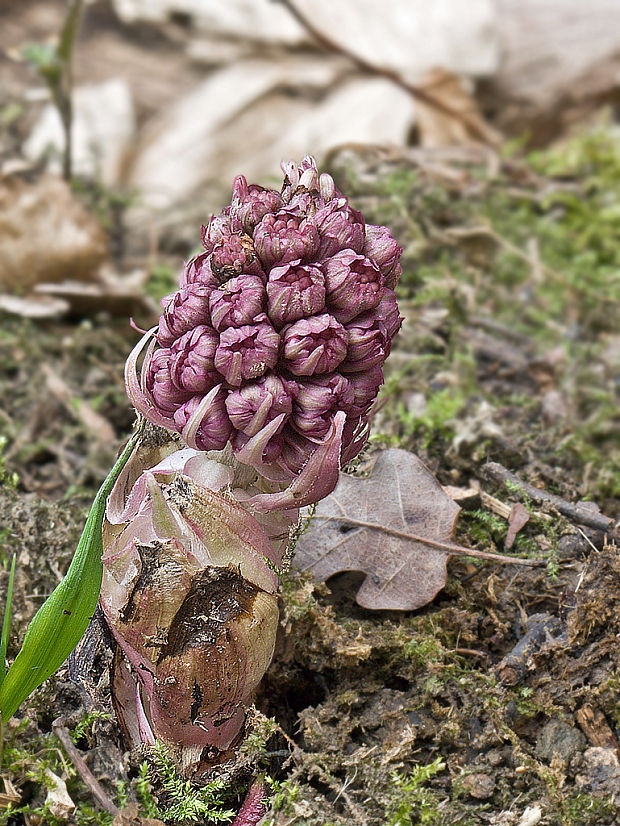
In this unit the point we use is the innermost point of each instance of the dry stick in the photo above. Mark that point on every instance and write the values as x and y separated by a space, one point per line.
62 733
577 512
415 91
448 547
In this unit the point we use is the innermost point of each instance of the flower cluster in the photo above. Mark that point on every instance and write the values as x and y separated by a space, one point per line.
276 337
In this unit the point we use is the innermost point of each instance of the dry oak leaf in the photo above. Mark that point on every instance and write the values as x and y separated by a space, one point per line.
364 526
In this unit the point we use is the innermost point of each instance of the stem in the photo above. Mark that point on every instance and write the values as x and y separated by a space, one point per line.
417 92
448 547
60 79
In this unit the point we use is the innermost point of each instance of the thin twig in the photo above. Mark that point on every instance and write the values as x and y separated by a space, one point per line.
62 733
578 512
448 547
416 92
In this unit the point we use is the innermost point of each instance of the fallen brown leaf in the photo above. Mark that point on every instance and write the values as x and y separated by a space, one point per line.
395 526
362 525
517 519
440 129
47 235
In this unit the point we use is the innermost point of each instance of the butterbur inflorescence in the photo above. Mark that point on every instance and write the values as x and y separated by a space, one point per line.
275 340
267 362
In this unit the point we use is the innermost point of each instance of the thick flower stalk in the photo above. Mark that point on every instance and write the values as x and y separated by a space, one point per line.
190 594
266 362
266 342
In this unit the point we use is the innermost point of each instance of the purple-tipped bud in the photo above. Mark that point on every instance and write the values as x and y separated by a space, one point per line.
234 255
251 203
314 345
369 343
353 283
387 311
327 187
384 250
294 291
256 404
192 367
187 308
340 227
247 352
237 302
158 382
317 402
365 388
218 229
285 237
198 271
210 428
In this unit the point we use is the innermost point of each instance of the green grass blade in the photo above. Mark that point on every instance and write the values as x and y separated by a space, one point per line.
59 624
6 622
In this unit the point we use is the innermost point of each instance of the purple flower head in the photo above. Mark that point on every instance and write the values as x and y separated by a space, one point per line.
285 237
251 203
247 352
340 227
294 291
257 403
192 366
187 308
314 345
239 301
198 271
384 250
203 422
283 325
353 283
317 401
234 255
158 382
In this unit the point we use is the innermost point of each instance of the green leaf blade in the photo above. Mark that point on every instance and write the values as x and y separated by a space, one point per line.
60 623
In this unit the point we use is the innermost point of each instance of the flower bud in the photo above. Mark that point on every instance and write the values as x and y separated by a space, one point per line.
365 386
314 345
327 187
317 401
251 203
159 383
218 229
353 284
294 291
284 237
192 366
233 255
203 422
187 308
387 311
255 404
368 343
247 352
340 227
384 250
238 301
198 271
